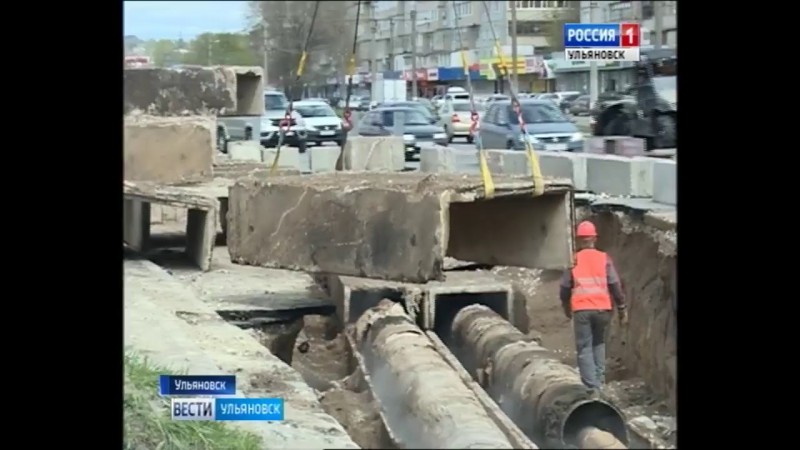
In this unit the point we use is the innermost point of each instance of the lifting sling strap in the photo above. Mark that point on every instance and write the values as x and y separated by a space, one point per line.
351 71
286 124
486 175
533 159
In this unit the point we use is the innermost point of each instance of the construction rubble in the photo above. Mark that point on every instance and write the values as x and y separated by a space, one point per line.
388 308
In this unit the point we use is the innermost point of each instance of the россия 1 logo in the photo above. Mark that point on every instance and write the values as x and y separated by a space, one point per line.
602 41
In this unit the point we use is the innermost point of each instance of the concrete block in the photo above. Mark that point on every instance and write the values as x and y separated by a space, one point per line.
665 185
156 214
619 175
374 153
565 165
353 296
437 159
221 90
396 226
323 159
168 149
244 151
616 145
442 300
508 162
136 224
290 158
200 211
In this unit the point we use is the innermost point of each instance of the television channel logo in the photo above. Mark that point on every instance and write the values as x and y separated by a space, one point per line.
607 42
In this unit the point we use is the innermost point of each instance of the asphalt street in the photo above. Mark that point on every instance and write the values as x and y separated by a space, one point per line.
466 154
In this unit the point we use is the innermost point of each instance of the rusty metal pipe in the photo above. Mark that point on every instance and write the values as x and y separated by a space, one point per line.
431 407
545 397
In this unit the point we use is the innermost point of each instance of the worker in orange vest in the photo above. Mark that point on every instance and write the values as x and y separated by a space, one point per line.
586 293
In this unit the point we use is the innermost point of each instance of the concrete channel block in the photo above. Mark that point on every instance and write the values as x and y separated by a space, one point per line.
220 90
323 159
619 176
442 300
397 226
244 151
374 153
289 159
508 162
665 185
201 218
353 295
437 159
168 149
565 165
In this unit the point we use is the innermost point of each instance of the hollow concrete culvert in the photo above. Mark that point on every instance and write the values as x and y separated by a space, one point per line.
543 396
424 401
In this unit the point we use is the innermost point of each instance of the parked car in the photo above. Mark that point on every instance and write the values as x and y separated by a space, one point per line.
548 128
567 99
417 105
265 128
322 123
417 128
456 119
581 106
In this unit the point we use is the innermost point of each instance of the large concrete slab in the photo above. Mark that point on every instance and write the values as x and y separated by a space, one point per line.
397 226
244 151
323 159
168 149
442 300
289 159
221 90
619 175
201 218
374 153
665 185
565 165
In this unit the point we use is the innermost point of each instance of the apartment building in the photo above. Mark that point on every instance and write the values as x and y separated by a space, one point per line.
437 39
636 11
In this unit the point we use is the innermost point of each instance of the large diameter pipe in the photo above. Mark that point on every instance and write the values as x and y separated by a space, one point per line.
431 407
545 397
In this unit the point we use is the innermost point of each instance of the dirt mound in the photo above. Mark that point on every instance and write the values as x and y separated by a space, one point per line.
645 257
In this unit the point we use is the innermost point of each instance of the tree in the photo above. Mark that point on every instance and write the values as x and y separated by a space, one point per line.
230 49
287 24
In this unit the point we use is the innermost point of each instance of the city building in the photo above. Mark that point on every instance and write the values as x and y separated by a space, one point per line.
386 27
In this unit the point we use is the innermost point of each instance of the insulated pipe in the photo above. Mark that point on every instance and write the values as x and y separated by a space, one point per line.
545 397
430 407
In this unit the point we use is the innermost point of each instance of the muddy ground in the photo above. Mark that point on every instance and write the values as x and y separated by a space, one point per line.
314 346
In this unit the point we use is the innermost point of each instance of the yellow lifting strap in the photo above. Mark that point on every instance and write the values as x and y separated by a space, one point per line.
486 174
287 120
533 159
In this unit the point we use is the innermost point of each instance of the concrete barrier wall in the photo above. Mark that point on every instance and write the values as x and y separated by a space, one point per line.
598 173
375 153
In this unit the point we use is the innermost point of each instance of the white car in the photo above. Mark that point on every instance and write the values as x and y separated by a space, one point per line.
321 122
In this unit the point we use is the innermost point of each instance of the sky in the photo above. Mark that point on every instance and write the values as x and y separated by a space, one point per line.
171 20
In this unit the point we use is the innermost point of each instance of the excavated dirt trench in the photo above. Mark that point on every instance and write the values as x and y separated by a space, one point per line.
316 347
642 357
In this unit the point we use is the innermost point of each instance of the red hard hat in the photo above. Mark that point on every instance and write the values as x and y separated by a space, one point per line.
586 229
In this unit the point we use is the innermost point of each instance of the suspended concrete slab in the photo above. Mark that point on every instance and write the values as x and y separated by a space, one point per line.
397 226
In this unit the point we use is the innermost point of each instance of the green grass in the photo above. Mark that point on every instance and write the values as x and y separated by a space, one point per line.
148 424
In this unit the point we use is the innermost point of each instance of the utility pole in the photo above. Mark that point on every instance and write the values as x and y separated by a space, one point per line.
514 74
391 44
658 23
414 92
266 50
373 81
594 82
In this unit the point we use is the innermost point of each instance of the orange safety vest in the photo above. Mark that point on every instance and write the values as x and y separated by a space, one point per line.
590 282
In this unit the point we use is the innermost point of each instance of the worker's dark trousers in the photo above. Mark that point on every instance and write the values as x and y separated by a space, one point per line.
590 340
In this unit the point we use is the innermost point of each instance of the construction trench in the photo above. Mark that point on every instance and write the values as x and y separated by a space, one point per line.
429 335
